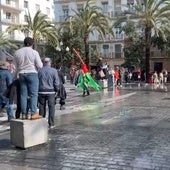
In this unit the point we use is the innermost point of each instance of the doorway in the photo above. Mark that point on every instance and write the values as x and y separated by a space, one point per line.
158 67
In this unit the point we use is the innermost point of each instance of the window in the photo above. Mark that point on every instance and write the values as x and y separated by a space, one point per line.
8 15
93 47
8 2
66 12
118 11
79 7
106 51
118 50
37 7
48 11
105 7
118 32
25 18
130 2
25 4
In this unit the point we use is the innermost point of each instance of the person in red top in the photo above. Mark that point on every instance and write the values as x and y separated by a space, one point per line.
139 74
72 74
116 76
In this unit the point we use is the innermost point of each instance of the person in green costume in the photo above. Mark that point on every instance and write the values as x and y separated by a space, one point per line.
85 79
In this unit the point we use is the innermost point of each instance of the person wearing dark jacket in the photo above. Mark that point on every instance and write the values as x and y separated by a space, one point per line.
48 87
6 79
61 92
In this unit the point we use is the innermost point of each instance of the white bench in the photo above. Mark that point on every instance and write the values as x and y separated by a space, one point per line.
28 133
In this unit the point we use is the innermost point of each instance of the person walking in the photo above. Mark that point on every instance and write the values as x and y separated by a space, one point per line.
27 62
61 91
48 87
6 79
165 76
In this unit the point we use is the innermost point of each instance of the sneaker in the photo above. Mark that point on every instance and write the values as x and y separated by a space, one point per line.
62 108
51 127
10 118
23 117
35 116
84 94
28 116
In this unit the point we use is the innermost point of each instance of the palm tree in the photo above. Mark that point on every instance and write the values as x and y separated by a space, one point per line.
90 20
70 36
39 27
5 43
153 17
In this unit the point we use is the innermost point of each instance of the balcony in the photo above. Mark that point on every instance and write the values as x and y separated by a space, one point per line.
118 13
119 36
63 18
107 55
13 7
12 20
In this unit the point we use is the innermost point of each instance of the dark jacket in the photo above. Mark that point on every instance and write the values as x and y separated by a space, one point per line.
48 80
12 91
5 80
61 91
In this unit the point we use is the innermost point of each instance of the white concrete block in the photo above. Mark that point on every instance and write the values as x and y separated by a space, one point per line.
28 133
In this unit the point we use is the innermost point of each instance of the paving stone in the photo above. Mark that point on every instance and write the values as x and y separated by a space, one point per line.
102 132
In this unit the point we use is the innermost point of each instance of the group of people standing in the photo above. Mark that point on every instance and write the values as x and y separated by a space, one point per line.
34 83
160 77
104 71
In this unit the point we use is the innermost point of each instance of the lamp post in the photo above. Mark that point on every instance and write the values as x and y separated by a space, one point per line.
60 49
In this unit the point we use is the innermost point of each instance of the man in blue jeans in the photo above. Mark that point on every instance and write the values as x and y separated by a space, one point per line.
48 87
5 81
27 62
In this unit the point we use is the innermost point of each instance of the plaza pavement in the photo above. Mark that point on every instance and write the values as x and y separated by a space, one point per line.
125 128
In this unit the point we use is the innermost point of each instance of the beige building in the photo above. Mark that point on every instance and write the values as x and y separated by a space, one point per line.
111 50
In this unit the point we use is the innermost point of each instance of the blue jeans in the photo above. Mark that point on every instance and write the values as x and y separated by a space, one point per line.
29 84
9 107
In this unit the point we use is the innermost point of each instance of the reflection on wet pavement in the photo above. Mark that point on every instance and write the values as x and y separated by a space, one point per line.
124 130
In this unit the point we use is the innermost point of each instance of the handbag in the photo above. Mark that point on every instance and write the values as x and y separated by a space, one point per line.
101 74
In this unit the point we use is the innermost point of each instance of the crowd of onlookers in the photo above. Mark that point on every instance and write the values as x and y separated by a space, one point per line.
117 75
30 83
158 78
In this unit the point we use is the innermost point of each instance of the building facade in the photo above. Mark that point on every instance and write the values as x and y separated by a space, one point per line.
16 12
111 50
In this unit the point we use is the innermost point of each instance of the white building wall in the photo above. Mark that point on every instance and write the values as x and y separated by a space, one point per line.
17 10
43 4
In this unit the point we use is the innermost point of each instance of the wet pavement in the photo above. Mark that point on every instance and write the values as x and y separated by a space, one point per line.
125 128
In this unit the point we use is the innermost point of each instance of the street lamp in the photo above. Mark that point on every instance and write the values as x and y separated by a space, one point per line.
60 50
67 49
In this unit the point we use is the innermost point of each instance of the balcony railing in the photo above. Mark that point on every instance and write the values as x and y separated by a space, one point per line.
12 6
9 20
119 36
117 55
62 18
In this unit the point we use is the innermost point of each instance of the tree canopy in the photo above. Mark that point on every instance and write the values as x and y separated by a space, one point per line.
39 27
153 17
90 20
